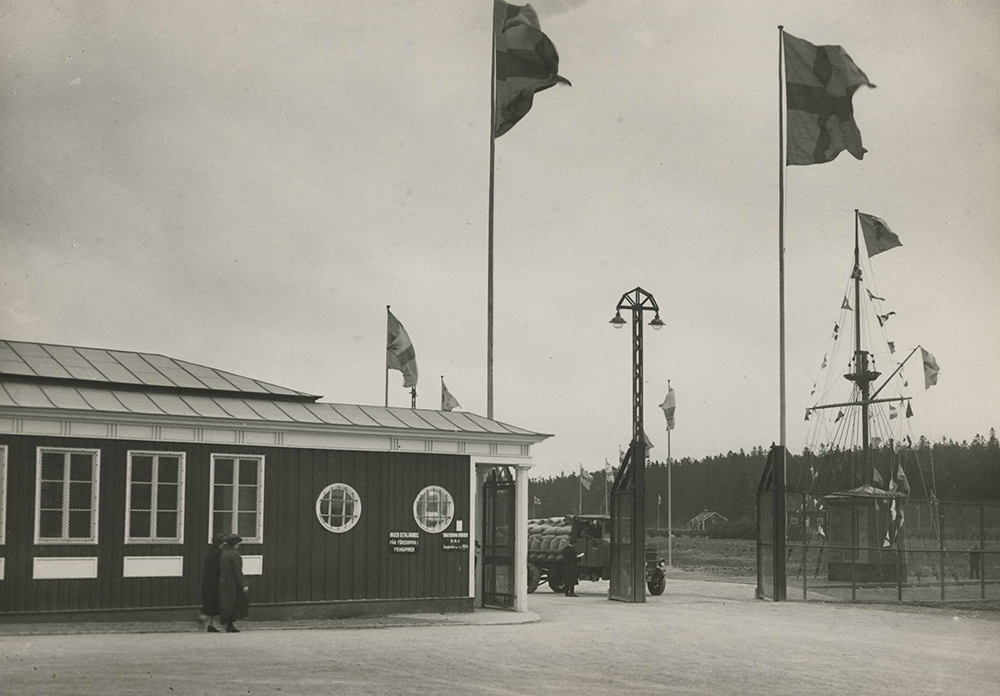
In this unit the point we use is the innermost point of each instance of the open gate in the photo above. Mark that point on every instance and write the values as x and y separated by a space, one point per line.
498 538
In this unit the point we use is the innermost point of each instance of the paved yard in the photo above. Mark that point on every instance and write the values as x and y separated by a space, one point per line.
698 638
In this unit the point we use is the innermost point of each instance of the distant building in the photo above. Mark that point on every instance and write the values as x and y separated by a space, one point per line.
706 521
116 469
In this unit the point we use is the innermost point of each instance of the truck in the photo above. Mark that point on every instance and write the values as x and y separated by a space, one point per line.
547 537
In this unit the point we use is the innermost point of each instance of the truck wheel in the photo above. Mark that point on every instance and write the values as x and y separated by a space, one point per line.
556 583
534 577
657 583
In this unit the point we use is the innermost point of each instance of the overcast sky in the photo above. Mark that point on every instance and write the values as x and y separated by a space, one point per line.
247 185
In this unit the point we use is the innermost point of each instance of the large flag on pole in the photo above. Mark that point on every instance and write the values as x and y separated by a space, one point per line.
526 63
669 405
819 84
448 402
878 236
931 369
399 353
586 478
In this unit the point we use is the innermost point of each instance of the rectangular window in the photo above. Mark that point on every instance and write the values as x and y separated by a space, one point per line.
3 495
66 496
237 504
154 506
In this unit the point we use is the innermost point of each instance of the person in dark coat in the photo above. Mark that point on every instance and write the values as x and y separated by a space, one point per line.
233 604
210 583
569 567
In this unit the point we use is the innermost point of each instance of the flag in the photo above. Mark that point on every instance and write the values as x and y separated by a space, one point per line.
669 405
892 412
608 469
883 318
892 346
585 478
909 413
399 354
931 369
840 417
649 443
448 402
904 483
836 331
877 477
823 366
819 84
807 414
878 236
870 295
526 63
536 500
845 304
621 456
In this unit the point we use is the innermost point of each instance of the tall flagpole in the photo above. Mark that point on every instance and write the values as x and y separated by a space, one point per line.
387 360
781 234
670 501
489 272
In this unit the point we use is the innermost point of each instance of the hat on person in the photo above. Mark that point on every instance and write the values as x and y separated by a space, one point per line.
218 538
233 539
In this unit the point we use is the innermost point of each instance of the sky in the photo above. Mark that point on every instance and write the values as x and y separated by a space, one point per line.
247 185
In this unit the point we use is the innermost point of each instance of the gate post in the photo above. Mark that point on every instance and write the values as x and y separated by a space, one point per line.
780 580
521 539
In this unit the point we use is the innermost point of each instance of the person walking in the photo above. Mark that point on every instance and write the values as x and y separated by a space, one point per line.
233 604
570 567
210 583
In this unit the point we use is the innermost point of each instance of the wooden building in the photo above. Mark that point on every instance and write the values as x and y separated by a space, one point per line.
116 468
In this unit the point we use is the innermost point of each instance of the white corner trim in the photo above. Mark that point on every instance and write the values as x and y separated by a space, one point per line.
2 564
64 568
253 565
153 567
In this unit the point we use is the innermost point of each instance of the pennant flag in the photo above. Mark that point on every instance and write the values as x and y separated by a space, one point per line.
621 456
909 442
892 412
878 236
823 366
608 469
836 331
904 483
846 305
537 501
399 354
669 405
808 412
526 63
931 369
874 297
585 478
840 417
909 414
819 84
892 346
649 443
820 530
813 391
448 402
813 472
885 542
856 273
883 318
877 477
896 445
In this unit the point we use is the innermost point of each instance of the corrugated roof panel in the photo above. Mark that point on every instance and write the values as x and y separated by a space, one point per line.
435 418
411 418
198 371
327 414
382 416
237 408
8 353
28 349
275 389
267 410
218 384
137 402
354 414
297 412
181 378
102 400
467 425
65 397
172 405
67 356
28 395
205 406
46 367
5 399
15 367
243 383
142 369
85 372
96 355
489 425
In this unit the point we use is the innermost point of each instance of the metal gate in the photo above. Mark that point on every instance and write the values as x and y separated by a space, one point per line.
498 538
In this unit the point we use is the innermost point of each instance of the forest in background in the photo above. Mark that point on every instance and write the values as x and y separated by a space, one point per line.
727 483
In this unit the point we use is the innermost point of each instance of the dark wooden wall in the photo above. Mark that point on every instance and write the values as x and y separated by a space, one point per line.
303 562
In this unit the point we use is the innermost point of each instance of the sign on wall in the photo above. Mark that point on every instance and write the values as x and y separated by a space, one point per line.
404 542
455 541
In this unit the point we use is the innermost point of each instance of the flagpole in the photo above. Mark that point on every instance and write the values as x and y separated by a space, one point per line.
489 271
781 233
670 500
579 479
387 360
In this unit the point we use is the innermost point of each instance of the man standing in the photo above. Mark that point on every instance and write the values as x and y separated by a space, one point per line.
210 583
233 588
569 567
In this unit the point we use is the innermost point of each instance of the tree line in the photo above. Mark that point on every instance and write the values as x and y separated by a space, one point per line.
727 483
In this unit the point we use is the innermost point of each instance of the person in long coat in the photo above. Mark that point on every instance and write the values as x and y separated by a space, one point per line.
570 577
210 583
233 604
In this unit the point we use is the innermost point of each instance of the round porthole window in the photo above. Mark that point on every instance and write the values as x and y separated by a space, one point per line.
338 507
434 509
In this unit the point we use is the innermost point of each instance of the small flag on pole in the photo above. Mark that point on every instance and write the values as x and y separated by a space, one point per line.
399 354
931 369
909 413
845 304
836 331
883 318
878 236
621 456
448 402
536 500
608 470
586 478
904 483
840 417
526 63
823 366
892 412
820 82
877 477
874 297
669 405
892 346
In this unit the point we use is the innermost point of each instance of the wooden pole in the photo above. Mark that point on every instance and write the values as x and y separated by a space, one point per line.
781 232
489 271
670 502
387 359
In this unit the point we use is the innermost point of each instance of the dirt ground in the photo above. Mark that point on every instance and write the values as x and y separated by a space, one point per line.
697 638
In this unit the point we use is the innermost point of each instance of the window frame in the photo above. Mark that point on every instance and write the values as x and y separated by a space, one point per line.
259 537
357 505
181 471
95 497
451 515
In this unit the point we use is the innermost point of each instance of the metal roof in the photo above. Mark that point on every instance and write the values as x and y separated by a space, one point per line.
53 364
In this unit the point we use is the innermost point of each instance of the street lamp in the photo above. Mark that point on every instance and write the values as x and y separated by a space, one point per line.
638 301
